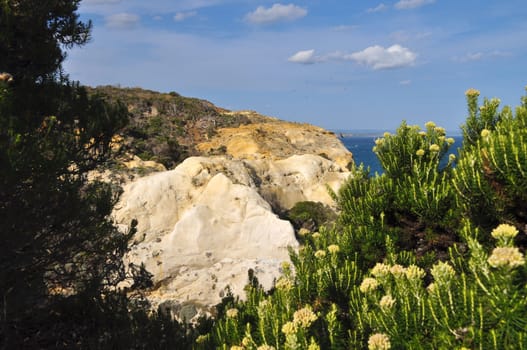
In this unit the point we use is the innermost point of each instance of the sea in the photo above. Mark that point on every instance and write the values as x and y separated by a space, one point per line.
361 147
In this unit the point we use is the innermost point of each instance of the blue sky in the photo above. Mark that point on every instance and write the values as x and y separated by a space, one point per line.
338 64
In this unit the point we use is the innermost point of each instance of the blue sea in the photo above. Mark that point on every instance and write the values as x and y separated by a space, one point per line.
361 147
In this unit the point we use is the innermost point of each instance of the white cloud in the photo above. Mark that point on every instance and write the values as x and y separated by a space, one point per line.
304 57
405 82
122 20
379 8
376 57
181 16
275 13
411 4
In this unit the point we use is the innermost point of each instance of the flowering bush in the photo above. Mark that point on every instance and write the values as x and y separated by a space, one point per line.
352 286
491 176
413 202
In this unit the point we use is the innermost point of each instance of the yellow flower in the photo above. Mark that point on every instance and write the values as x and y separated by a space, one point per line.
285 267
485 133
333 249
316 235
451 157
386 302
266 347
379 341
504 231
442 272
506 257
397 270
313 345
304 317
264 304
422 133
472 92
289 328
379 142
414 272
386 134
380 270
431 288
450 140
320 254
430 125
434 148
236 347
247 341
284 284
420 152
441 139
368 284
440 130
232 313
303 232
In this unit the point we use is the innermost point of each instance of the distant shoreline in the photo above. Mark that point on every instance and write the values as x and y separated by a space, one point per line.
358 133
374 133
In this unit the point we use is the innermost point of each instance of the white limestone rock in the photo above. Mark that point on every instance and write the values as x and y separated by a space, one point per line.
201 227
298 178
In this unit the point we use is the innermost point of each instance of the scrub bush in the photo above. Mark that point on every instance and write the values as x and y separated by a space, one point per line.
425 256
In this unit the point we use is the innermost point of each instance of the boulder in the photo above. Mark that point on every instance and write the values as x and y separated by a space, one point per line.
201 227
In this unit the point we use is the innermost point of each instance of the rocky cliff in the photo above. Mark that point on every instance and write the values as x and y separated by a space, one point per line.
204 224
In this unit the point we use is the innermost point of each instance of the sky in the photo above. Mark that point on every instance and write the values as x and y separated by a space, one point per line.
338 64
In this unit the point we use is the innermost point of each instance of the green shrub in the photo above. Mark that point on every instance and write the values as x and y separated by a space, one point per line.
413 202
477 301
491 177
362 284
310 215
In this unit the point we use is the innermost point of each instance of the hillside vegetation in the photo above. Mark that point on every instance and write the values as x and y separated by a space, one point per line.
167 127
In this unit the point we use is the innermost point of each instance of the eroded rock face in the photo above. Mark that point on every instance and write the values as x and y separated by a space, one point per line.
203 225
298 178
274 139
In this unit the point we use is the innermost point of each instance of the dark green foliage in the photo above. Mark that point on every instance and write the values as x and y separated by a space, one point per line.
61 258
478 119
310 215
491 178
32 34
